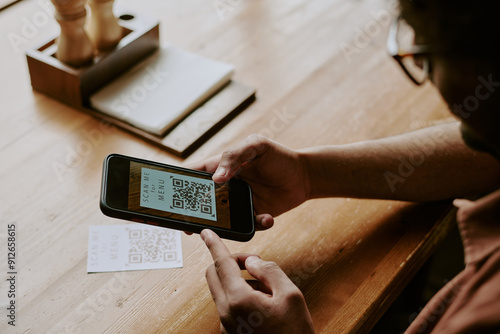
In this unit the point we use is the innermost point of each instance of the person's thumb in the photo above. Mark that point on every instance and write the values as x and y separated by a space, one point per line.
268 273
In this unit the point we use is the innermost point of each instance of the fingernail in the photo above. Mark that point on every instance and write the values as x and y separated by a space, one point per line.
266 222
460 202
221 171
203 235
252 259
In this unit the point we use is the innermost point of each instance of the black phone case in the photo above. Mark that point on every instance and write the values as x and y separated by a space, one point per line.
166 222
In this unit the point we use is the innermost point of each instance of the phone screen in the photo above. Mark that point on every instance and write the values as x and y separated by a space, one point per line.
176 194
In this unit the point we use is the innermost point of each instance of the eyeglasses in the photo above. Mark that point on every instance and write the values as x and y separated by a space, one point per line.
413 59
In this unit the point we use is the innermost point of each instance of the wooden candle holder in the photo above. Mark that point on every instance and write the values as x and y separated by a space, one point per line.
74 86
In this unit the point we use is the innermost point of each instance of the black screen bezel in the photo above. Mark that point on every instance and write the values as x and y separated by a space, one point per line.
116 181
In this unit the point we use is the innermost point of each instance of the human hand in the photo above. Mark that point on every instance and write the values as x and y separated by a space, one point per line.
273 304
276 174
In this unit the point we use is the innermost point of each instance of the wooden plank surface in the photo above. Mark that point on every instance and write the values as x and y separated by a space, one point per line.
349 257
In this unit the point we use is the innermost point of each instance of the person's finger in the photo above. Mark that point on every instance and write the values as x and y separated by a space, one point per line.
214 284
215 287
240 259
258 286
232 159
269 274
209 165
462 203
263 222
227 268
214 244
218 249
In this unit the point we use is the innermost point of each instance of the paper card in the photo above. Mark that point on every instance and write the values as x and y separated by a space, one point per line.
133 247
160 91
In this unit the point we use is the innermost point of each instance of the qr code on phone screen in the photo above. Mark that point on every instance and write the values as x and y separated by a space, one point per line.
152 245
192 196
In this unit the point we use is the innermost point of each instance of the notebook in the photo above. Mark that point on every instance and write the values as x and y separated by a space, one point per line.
159 92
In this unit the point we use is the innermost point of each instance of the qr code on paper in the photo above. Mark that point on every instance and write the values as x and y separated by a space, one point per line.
192 196
152 245
133 247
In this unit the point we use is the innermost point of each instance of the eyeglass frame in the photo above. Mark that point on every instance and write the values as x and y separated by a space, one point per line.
398 54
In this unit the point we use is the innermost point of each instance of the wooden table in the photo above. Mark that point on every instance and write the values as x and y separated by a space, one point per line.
322 77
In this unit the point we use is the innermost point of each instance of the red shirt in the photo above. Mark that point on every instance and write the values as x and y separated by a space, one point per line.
470 303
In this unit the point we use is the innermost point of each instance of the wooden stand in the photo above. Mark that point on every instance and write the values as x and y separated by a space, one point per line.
74 86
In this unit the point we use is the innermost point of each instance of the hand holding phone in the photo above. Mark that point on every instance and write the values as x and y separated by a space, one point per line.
174 197
277 175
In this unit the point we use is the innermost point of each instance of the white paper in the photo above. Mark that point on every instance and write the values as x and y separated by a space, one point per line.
133 247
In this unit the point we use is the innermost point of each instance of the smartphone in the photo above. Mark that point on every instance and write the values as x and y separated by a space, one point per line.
183 199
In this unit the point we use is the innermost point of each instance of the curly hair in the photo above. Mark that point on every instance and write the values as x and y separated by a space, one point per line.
464 27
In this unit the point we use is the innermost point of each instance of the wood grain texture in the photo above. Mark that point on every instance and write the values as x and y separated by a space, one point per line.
349 257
